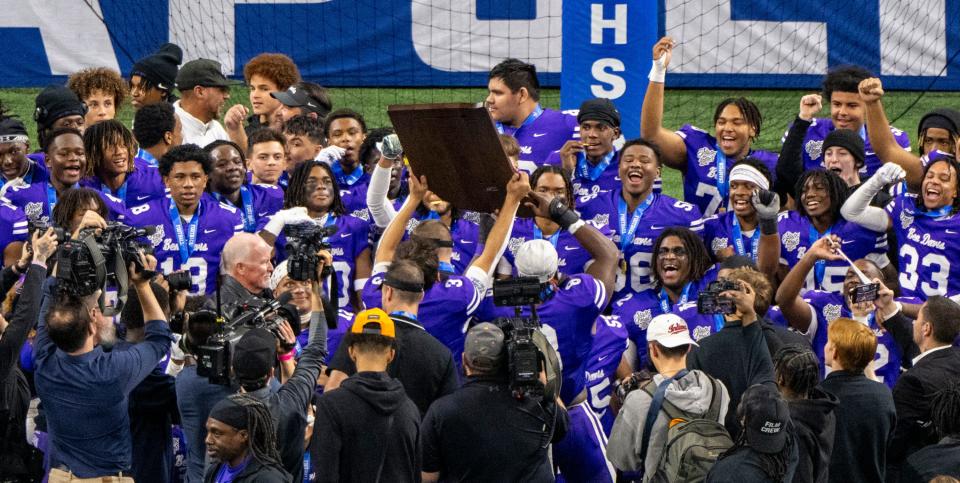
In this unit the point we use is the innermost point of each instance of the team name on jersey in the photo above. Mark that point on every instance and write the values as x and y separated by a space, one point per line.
336 251
170 245
925 240
814 149
595 375
642 241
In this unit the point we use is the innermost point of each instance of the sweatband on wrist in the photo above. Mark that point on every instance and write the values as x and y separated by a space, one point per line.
658 72
769 226
576 226
285 357
275 225
561 214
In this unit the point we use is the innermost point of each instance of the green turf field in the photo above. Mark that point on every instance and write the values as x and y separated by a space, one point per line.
681 106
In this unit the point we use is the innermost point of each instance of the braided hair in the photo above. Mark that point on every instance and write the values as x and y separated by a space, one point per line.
749 110
797 369
945 410
697 255
836 187
567 185
99 140
262 441
296 194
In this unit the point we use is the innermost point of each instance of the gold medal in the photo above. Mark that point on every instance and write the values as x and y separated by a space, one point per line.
623 266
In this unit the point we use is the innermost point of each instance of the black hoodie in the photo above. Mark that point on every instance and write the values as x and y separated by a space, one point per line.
816 427
368 422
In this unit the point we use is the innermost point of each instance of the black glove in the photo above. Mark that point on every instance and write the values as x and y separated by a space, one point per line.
561 214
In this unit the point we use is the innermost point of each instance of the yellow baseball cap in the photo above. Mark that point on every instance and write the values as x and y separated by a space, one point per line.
373 321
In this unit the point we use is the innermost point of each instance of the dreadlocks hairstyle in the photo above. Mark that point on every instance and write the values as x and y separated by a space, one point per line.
945 410
516 74
697 255
423 253
87 81
296 194
952 161
76 200
567 185
99 141
749 110
836 188
797 369
262 435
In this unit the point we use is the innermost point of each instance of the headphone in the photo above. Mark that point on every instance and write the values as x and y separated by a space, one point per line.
42 112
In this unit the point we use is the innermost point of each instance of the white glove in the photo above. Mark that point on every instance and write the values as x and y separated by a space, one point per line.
889 173
330 154
290 216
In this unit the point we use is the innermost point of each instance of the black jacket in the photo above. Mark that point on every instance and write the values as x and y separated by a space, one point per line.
255 472
744 465
865 421
815 424
739 357
911 396
940 459
365 428
423 364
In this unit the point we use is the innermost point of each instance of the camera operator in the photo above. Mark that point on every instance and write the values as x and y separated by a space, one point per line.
253 364
737 355
481 432
302 292
84 390
246 265
14 393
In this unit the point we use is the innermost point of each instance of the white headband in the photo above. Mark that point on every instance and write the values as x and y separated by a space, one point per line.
745 172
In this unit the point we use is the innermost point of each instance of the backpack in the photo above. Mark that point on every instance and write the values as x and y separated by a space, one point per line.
694 441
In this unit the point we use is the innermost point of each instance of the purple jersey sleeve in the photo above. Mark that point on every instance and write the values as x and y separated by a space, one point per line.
33 200
142 184
13 225
812 151
600 368
267 200
700 178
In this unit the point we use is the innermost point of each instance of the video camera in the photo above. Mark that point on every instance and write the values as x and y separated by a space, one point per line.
33 226
710 301
304 240
98 259
215 356
527 349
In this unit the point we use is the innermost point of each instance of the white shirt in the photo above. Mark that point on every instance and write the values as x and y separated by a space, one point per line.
928 351
198 132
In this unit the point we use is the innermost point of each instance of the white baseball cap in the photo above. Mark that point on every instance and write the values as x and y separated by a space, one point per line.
279 272
537 258
669 330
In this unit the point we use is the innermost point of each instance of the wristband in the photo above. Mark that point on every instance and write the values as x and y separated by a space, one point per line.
576 226
561 214
658 71
285 357
769 226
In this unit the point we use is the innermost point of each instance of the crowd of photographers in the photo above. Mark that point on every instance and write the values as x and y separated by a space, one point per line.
279 298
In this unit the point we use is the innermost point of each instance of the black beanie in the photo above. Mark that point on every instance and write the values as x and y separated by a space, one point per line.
228 412
599 109
56 102
160 67
943 118
848 140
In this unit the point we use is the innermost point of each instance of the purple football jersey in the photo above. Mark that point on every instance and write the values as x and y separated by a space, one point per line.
664 212
566 317
601 366
35 173
718 234
142 185
215 224
857 242
572 256
927 248
13 225
265 200
444 310
353 189
700 185
589 179
544 132
37 200
812 152
827 307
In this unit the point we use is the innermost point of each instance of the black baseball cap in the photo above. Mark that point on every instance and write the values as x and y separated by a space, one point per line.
296 97
254 355
201 72
766 417
483 347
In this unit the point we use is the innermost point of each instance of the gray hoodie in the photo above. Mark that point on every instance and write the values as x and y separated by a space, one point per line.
692 393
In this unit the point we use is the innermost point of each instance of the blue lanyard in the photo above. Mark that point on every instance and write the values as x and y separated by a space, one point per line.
585 170
246 201
447 267
537 112
121 193
937 213
871 317
820 267
51 197
863 133
723 186
718 323
345 179
307 466
738 240
146 156
184 243
538 235
627 233
432 215
665 305
405 314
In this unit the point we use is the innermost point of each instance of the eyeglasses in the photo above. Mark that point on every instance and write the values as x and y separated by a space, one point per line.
679 252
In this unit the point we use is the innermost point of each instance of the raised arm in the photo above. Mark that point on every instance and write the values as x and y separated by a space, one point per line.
651 115
790 162
857 207
767 205
233 123
604 253
517 189
881 139
28 305
393 234
798 312
380 208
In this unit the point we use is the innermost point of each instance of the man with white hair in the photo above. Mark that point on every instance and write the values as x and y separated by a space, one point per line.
245 263
571 305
